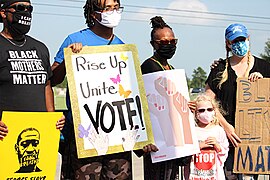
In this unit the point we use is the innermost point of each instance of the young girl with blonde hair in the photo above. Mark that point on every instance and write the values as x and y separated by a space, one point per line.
214 145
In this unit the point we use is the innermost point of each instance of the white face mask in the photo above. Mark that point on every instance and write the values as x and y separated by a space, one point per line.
109 20
206 117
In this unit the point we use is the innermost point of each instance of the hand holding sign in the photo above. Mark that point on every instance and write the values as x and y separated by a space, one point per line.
3 130
130 138
99 141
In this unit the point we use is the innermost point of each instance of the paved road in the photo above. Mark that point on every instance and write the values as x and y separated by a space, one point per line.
138 169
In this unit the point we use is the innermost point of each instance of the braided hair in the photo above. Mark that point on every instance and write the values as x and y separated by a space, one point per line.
90 7
157 23
223 76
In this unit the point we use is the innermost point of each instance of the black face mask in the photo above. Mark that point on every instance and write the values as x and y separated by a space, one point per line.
21 23
166 51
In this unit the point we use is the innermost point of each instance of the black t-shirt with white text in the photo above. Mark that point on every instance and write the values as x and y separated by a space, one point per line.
24 72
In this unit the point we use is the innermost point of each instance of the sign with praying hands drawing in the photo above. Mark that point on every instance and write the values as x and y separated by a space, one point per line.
108 100
252 125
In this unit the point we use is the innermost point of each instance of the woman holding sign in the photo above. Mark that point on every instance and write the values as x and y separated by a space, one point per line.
164 44
221 83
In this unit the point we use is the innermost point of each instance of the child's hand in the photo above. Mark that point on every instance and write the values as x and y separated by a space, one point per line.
204 145
211 141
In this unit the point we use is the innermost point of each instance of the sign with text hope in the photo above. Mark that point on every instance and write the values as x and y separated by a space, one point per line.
108 100
252 125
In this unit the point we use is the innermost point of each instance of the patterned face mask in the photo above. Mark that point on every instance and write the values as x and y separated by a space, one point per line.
240 48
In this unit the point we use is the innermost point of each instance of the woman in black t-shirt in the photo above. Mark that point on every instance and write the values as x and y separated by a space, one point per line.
221 82
164 44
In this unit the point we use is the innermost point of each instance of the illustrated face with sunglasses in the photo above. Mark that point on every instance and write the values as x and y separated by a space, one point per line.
27 148
205 112
164 43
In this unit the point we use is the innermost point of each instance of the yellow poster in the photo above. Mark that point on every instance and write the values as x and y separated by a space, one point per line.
29 151
108 100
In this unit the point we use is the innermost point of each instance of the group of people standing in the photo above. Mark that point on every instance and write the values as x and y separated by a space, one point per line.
102 16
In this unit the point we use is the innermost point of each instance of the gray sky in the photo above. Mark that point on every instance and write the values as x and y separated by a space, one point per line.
199 25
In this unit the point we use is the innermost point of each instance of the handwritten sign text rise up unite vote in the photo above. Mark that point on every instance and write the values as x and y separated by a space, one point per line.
107 94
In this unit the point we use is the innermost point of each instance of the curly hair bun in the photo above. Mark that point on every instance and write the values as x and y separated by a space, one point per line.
158 22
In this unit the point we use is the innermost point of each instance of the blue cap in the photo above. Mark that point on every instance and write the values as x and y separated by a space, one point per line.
234 31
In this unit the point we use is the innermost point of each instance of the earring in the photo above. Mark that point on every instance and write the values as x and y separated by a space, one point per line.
92 22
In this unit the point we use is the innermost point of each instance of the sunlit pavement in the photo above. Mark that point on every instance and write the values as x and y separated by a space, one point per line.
137 169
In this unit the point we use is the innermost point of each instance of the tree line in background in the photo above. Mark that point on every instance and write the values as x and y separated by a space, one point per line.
198 78
266 54
199 75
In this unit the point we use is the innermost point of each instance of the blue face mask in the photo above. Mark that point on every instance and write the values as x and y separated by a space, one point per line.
240 48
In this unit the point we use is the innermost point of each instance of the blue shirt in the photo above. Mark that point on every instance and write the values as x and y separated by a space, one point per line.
87 38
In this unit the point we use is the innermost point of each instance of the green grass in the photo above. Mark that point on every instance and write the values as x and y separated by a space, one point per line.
193 96
60 102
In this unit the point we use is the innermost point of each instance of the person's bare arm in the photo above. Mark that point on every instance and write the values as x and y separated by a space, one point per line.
50 105
49 98
59 73
59 70
229 129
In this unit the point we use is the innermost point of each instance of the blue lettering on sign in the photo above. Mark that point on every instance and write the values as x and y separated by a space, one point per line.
261 159
244 160
268 155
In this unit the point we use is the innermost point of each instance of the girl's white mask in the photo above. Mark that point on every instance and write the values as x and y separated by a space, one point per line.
206 117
